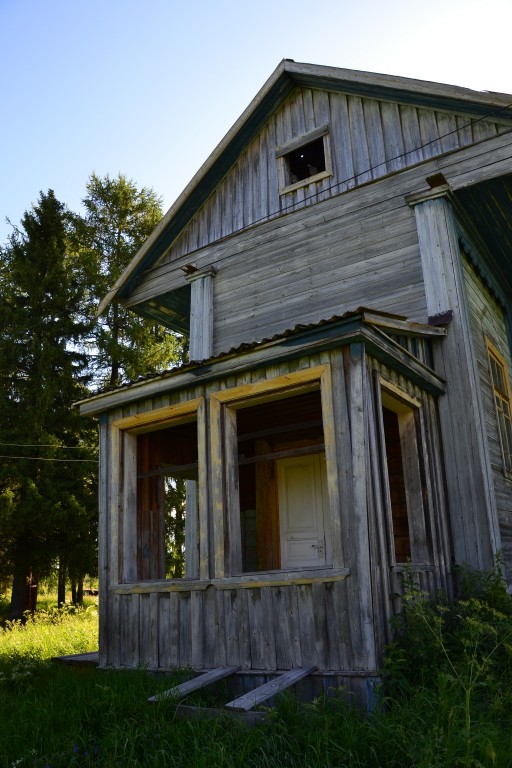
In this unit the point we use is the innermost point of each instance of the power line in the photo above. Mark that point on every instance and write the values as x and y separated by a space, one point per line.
49 445
43 458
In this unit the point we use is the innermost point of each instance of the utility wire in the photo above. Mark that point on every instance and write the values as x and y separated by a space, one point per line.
49 445
42 458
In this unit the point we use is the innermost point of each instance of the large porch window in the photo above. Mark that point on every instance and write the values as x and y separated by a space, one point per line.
282 484
274 474
166 460
163 483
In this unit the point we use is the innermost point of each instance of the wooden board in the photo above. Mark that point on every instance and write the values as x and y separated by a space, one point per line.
259 695
201 681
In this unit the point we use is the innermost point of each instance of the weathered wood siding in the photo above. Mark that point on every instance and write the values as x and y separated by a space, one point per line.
355 249
488 320
369 139
335 619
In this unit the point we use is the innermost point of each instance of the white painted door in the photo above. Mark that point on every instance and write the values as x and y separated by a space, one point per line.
302 511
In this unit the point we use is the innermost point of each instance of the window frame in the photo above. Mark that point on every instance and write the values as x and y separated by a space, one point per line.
224 464
127 430
415 475
282 151
505 396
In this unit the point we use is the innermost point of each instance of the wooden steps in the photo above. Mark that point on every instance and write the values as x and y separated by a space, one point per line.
240 706
202 681
267 690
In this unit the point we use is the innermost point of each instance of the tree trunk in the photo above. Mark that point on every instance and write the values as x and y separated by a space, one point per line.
24 585
61 589
77 590
80 591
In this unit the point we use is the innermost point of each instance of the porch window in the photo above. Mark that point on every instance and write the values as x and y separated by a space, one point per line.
166 460
502 404
272 506
405 476
282 484
163 492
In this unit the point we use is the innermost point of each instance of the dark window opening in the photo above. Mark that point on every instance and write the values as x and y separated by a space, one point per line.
398 496
270 436
306 161
411 534
166 459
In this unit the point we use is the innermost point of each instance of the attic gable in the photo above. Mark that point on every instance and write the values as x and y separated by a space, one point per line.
365 139
379 116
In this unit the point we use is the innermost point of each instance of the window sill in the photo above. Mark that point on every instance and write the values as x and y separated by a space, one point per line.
248 581
281 578
305 182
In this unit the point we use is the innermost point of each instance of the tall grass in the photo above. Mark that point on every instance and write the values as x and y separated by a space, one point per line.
48 633
446 701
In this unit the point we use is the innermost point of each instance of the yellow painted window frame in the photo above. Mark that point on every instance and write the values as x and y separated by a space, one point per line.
124 431
502 405
224 458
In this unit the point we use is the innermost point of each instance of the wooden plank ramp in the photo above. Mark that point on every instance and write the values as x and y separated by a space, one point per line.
263 692
201 681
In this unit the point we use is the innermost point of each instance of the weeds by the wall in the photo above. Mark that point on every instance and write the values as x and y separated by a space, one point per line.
458 656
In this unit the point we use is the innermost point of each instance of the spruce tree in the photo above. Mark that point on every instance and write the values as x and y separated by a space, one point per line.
47 473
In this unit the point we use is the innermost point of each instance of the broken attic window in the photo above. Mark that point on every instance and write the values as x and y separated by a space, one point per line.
304 160
308 160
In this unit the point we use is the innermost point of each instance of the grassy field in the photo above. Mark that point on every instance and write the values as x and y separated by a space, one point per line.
447 702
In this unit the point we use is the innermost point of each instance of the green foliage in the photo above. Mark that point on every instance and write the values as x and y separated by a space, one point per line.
175 502
48 633
48 472
458 657
119 218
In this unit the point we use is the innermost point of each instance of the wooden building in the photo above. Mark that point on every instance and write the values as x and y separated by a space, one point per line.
342 264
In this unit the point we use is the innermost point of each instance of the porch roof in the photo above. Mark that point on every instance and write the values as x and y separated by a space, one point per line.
373 327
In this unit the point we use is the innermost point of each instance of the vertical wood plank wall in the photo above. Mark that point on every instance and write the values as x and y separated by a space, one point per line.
337 624
488 321
368 138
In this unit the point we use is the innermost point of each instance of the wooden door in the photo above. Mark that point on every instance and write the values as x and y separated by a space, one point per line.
302 512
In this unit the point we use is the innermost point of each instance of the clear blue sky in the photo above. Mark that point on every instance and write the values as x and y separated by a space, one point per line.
149 87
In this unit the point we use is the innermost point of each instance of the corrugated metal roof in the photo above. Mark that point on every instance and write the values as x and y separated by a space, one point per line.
394 324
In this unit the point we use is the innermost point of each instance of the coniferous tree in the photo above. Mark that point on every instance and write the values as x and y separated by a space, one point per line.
118 219
47 473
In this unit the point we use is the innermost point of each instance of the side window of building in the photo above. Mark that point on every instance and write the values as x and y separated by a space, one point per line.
408 512
502 404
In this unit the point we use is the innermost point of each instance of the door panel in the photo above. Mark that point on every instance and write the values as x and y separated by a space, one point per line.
302 505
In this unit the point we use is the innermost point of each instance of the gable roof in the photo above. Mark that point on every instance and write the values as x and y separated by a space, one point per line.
287 76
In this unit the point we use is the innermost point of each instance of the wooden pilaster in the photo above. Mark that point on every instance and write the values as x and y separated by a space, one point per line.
468 471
